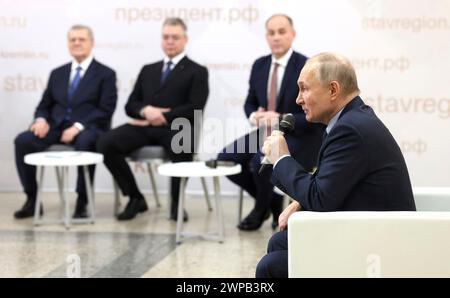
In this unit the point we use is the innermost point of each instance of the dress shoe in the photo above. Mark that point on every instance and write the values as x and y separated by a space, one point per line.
254 220
80 210
27 210
174 217
134 206
275 216
274 224
276 207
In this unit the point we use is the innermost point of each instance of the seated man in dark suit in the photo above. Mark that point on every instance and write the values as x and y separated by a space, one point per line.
76 109
360 168
165 90
272 90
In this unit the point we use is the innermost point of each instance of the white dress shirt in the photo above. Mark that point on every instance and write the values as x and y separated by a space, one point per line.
174 60
282 64
73 71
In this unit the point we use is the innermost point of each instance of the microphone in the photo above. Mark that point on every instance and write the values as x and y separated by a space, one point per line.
286 126
214 163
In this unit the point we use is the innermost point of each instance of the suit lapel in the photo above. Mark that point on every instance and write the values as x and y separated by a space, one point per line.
290 70
265 80
155 75
319 156
65 79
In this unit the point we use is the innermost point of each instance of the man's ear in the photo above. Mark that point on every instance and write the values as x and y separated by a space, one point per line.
335 89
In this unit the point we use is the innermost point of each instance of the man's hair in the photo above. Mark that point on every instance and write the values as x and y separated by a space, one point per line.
82 27
288 18
175 22
333 67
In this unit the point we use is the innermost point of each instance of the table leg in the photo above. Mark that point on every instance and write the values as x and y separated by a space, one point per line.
89 193
65 184
37 207
153 183
241 200
60 189
169 198
220 224
205 190
181 197
116 197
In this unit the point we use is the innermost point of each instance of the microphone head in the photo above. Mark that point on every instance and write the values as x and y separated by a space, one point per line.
287 123
212 163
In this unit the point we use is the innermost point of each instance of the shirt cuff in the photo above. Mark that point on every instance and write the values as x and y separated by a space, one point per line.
40 119
141 112
281 157
251 118
79 126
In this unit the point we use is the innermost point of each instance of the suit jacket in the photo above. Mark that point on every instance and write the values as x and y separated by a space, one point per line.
305 142
360 168
184 90
93 103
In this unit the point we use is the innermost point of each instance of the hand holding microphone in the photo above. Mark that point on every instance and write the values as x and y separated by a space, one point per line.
275 145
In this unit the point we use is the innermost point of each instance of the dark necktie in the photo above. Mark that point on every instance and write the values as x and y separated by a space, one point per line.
166 72
75 83
272 98
273 89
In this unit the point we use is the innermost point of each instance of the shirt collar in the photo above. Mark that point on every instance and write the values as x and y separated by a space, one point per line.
333 121
175 59
283 61
84 64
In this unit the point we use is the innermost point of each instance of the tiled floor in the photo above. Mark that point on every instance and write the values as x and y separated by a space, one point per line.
143 247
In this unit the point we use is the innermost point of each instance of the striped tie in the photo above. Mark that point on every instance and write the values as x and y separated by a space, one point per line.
166 72
75 83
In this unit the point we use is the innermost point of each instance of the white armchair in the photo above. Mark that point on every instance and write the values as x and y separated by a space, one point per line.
369 244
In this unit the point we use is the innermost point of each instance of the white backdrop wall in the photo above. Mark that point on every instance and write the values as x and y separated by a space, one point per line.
399 49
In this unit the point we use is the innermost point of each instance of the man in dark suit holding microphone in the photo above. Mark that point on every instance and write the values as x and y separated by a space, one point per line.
272 92
360 167
76 108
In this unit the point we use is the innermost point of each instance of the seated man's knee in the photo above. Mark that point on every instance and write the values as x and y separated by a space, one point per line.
278 241
85 141
229 156
23 139
273 265
104 143
223 156
263 267
228 153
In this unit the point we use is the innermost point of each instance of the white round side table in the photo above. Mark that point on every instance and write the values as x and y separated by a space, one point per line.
186 170
62 160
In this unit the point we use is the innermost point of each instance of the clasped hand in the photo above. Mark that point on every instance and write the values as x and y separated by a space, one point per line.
275 146
265 118
41 129
153 116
